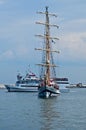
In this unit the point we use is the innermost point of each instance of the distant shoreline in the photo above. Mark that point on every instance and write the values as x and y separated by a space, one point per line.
79 85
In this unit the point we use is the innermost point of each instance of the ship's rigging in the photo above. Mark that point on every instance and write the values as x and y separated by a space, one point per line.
47 56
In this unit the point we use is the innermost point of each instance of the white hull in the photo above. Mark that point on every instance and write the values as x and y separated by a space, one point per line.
34 88
63 84
12 88
47 91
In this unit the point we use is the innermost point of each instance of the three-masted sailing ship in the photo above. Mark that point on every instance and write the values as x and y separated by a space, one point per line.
48 86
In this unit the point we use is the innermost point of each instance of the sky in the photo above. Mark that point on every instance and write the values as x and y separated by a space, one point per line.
17 37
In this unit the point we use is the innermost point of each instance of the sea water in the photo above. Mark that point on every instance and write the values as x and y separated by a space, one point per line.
25 111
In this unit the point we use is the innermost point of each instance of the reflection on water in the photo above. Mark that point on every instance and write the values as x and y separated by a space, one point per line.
48 113
25 111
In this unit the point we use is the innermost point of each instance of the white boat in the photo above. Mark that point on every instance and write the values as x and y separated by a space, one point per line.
29 83
63 83
21 88
47 89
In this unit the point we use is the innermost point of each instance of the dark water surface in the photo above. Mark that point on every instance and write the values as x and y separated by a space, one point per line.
25 111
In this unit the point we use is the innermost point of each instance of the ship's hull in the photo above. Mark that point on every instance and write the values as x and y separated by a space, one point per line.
47 91
12 88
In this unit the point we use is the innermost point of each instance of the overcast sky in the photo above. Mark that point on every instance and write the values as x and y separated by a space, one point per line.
17 37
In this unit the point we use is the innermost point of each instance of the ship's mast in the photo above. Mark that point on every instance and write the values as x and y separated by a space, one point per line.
47 35
47 48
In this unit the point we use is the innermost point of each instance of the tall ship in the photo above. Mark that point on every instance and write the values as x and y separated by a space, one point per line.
48 87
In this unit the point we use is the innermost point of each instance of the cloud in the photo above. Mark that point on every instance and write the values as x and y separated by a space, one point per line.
19 33
72 41
16 35
73 46
8 54
2 1
75 25
22 51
